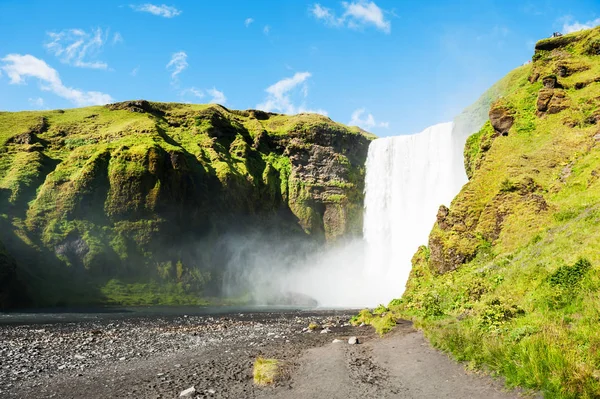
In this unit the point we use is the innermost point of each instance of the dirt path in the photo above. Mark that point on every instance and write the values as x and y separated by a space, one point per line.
400 365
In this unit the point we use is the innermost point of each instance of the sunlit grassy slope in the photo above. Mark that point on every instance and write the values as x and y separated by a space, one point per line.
510 280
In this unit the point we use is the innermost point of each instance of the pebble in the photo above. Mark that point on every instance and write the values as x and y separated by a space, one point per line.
35 354
187 393
325 331
353 341
336 341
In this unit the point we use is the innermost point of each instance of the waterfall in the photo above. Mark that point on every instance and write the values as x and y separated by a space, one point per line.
407 179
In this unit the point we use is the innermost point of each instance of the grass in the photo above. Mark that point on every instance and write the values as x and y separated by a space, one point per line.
265 371
380 319
523 302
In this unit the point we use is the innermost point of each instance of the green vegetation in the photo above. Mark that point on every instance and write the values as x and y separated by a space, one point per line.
265 371
510 280
381 319
126 203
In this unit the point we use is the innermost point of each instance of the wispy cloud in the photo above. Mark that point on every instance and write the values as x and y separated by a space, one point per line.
218 97
266 29
37 102
117 38
177 64
248 21
159 10
279 95
570 25
134 71
192 91
20 67
77 47
367 122
355 15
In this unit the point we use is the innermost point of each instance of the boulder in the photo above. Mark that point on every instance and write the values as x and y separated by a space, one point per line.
502 119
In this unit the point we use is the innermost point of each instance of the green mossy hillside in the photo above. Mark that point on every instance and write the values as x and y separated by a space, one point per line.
128 203
510 279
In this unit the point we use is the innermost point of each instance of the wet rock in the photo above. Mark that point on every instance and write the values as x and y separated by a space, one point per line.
188 393
353 341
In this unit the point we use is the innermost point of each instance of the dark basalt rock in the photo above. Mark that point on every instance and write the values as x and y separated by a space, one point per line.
136 106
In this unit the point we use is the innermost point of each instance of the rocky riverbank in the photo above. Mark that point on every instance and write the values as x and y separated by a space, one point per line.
159 357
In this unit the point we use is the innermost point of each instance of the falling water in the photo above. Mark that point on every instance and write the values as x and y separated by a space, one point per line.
408 178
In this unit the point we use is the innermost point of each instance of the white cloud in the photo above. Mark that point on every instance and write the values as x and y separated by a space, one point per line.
134 71
279 95
20 67
248 21
356 15
192 91
161 10
37 102
367 122
76 47
117 38
570 26
218 97
266 29
177 64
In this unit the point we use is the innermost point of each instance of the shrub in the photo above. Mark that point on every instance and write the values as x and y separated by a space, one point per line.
569 276
383 324
432 306
380 309
508 186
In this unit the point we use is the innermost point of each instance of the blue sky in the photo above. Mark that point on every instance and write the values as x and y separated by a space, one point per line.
392 67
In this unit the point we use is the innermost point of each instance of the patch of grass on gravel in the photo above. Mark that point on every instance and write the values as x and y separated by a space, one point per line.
266 371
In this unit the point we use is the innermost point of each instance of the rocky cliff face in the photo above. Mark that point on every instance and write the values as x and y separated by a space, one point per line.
135 196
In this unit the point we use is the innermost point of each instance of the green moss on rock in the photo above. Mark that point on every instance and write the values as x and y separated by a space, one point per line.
105 194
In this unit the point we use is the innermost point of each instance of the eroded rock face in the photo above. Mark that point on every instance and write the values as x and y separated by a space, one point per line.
502 119
551 101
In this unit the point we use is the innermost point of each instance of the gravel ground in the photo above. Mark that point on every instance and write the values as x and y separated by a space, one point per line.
159 357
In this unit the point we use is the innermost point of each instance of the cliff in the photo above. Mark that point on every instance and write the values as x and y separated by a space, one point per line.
510 278
127 203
